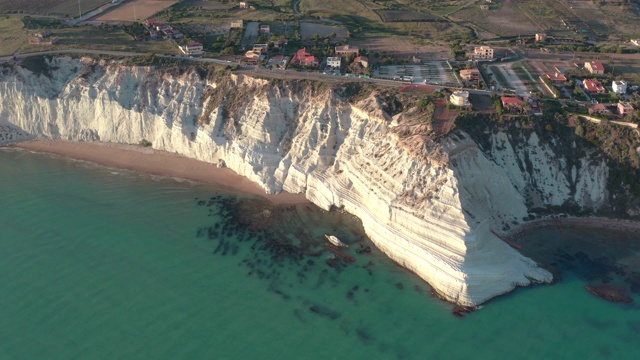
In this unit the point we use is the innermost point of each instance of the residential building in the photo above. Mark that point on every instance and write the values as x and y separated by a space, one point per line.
334 62
624 108
243 5
460 98
193 48
43 34
153 34
39 40
251 57
541 37
263 48
557 78
470 74
594 86
594 67
347 50
483 52
636 42
278 61
599 109
362 60
510 103
280 43
619 87
264 29
304 58
237 24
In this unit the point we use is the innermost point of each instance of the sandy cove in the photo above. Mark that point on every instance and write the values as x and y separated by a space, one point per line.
156 162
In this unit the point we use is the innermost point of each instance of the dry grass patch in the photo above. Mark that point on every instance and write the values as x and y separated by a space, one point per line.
135 10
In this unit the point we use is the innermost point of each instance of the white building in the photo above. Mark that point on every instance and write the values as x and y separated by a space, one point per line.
194 48
483 52
619 87
460 98
334 62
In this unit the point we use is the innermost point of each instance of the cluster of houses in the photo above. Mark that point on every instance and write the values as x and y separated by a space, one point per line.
622 108
306 59
161 31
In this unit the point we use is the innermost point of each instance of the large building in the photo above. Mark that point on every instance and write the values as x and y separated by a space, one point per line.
334 62
460 98
557 78
624 108
483 52
470 74
619 87
362 60
510 103
347 50
304 58
594 67
193 48
594 86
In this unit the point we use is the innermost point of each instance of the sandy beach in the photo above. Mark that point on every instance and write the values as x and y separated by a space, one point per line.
592 222
156 162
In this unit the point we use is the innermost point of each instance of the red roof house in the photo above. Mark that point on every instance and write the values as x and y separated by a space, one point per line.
557 78
363 60
594 86
594 67
304 58
512 103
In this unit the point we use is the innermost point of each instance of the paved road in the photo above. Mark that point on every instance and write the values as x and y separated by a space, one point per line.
296 6
250 70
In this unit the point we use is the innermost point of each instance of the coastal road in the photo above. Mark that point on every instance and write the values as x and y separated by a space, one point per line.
249 70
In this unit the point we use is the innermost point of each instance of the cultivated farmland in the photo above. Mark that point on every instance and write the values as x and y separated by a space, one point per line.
50 7
135 10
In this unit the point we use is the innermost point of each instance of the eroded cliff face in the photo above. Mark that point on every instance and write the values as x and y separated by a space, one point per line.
429 206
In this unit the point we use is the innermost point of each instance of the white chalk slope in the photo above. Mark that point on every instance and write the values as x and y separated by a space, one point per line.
432 216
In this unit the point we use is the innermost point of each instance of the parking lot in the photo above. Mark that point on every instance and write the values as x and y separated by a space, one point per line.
433 72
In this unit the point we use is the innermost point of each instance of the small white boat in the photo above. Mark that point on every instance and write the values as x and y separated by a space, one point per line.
335 241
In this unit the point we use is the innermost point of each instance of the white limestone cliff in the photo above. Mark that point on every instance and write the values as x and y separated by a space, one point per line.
430 209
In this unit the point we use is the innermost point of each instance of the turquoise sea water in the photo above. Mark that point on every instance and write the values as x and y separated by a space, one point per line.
98 263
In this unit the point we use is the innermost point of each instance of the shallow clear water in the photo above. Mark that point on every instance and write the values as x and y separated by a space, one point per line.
100 263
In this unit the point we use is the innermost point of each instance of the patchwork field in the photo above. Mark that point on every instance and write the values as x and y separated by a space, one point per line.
308 30
135 10
404 15
50 7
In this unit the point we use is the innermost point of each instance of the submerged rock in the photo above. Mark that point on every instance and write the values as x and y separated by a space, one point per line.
611 293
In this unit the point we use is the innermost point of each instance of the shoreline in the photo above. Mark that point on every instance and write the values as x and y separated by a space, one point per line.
155 162
595 222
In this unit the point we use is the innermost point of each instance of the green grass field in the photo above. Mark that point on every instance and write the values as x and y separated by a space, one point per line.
12 35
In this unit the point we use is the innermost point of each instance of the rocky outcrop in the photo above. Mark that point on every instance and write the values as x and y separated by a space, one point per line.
429 206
